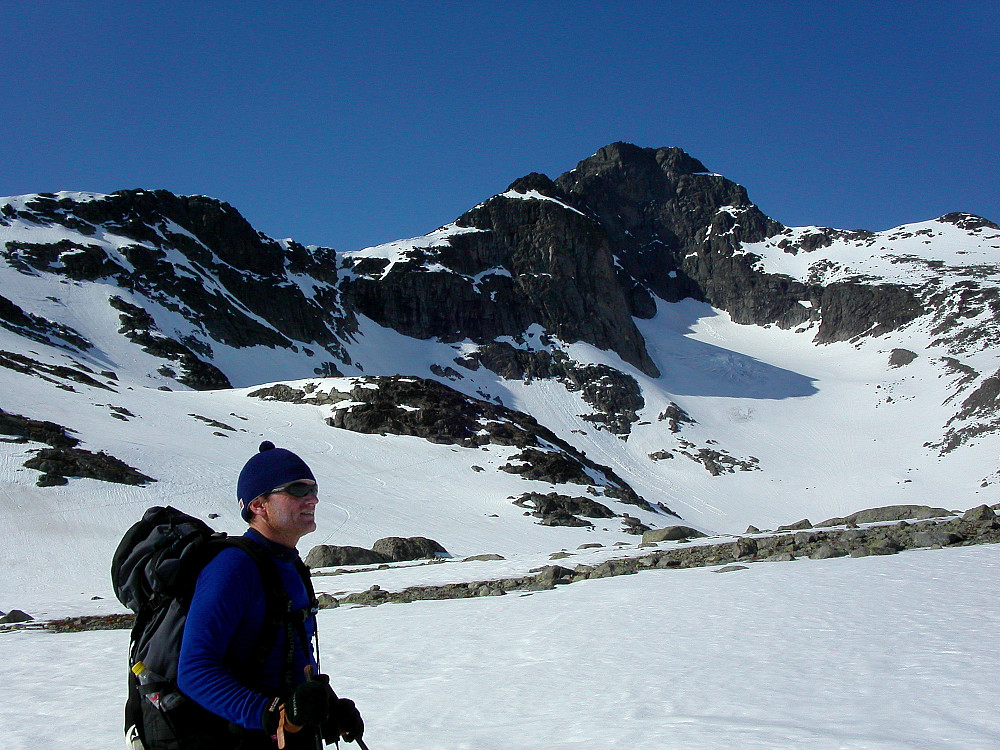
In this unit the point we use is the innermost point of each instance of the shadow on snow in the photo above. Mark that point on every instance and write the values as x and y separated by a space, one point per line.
690 367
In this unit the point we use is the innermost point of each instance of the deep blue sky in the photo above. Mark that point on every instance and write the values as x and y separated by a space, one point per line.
353 124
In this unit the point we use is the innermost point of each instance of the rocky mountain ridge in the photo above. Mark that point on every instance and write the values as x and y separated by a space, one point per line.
549 287
580 256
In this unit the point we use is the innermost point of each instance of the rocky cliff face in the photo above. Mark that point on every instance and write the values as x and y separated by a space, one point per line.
679 231
521 258
583 254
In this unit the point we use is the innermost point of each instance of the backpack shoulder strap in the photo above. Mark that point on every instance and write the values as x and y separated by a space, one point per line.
276 607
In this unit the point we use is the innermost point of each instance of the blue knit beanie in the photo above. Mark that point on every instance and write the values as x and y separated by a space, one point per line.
270 468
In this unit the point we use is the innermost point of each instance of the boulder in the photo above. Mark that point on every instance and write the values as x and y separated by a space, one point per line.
802 538
327 601
981 513
825 551
399 549
327 556
15 616
935 538
551 575
670 534
901 357
744 548
781 557
888 513
731 568
803 524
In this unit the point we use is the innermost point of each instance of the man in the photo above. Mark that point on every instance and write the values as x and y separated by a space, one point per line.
263 689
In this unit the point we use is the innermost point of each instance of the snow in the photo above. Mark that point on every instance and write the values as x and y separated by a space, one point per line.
400 251
902 254
534 195
878 653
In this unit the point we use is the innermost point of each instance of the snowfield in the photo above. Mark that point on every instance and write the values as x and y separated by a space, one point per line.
876 653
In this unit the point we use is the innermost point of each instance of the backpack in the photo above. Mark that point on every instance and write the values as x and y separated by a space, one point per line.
154 571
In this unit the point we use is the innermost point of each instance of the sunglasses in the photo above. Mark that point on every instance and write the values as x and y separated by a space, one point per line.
297 489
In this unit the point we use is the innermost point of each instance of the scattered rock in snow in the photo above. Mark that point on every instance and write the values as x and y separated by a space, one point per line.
58 463
15 616
399 549
670 534
901 357
563 510
887 513
632 525
803 524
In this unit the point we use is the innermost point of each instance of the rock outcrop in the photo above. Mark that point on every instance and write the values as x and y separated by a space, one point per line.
387 550
438 413
191 255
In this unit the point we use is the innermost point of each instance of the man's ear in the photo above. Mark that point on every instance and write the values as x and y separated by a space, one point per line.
258 506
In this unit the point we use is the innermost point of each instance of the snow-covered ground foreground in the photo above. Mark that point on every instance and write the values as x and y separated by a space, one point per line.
878 652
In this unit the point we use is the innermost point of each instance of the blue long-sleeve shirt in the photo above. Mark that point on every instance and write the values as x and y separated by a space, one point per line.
222 628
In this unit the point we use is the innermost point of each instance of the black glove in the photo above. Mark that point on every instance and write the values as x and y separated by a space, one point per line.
309 704
344 720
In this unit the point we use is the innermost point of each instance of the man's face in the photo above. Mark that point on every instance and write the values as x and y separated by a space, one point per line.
291 516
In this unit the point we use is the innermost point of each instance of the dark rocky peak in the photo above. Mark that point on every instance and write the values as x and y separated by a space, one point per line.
969 222
141 214
536 182
628 158
661 196
659 206
678 230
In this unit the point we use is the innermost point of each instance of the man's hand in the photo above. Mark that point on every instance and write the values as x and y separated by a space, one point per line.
343 719
309 704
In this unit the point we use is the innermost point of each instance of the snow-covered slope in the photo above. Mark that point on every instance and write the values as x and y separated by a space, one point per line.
881 653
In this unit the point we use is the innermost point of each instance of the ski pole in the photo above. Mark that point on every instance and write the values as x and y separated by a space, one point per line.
308 671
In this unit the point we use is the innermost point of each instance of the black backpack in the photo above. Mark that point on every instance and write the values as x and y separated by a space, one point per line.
154 571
